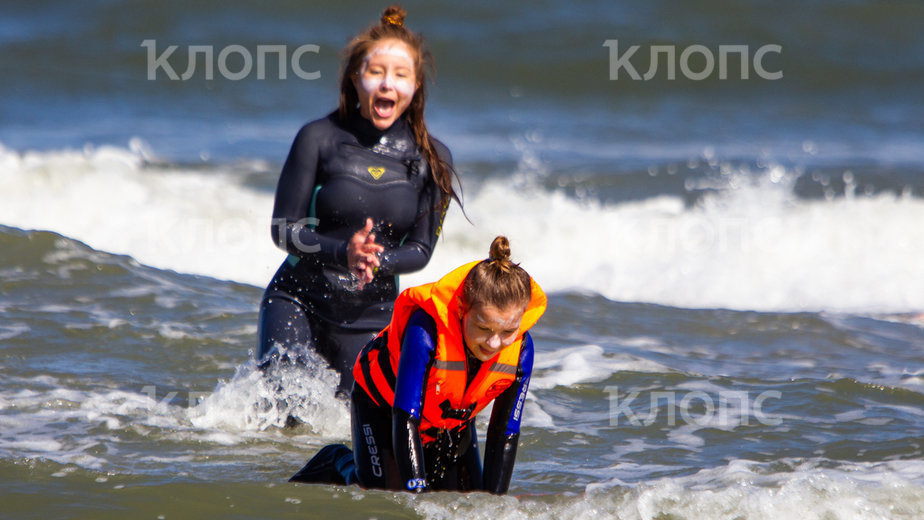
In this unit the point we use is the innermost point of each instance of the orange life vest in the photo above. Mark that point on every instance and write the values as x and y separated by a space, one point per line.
446 395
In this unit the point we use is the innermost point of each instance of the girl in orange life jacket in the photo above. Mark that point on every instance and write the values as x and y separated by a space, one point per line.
451 348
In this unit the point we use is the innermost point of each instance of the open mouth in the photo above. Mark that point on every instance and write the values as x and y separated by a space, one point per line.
384 108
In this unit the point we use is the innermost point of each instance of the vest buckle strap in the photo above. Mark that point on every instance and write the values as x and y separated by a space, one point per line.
460 414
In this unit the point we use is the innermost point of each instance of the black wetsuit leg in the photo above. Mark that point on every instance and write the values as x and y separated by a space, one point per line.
372 444
340 347
469 466
285 324
466 473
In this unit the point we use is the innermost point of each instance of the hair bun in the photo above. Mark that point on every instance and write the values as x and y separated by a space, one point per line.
394 15
497 281
500 250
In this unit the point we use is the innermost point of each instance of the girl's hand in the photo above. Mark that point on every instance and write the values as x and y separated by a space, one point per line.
363 254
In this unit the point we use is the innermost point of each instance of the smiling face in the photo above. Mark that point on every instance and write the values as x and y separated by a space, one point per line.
386 83
487 330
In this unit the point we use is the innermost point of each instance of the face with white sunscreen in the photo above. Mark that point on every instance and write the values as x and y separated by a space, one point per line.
386 82
487 329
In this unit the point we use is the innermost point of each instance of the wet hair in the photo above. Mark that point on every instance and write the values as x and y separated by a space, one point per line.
391 26
497 281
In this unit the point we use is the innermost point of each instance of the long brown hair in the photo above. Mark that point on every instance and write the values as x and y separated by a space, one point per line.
497 281
391 26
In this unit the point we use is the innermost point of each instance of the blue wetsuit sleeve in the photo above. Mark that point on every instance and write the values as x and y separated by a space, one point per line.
291 229
417 247
417 349
504 428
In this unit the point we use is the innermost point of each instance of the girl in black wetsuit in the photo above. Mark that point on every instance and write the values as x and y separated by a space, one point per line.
360 200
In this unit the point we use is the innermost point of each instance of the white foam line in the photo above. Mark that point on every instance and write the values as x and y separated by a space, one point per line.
742 489
749 245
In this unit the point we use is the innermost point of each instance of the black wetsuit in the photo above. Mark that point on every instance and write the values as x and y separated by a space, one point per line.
336 175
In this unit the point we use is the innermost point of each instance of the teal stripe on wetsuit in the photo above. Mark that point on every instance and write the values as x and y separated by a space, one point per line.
312 221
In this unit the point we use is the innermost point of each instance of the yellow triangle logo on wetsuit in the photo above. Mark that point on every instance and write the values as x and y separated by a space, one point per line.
376 171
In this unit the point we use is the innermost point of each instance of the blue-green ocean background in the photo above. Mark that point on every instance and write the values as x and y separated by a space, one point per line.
734 265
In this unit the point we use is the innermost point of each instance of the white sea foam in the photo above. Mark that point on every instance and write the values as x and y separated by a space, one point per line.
753 246
254 400
584 364
533 415
11 330
741 489
67 425
749 245
193 221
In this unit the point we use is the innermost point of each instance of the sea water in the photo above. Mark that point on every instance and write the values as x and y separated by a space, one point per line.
735 326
